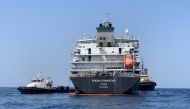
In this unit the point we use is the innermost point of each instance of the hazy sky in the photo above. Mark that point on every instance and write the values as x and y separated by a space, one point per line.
39 35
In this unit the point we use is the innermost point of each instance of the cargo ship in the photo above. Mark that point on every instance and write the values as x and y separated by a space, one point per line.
105 64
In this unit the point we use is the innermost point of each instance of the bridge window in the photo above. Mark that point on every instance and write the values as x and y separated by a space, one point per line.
109 44
83 58
100 44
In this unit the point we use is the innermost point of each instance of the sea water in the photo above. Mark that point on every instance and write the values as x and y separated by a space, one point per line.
164 98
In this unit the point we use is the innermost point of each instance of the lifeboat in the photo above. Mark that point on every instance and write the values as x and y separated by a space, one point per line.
128 61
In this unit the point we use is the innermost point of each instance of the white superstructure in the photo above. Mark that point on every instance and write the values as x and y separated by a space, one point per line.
39 82
105 54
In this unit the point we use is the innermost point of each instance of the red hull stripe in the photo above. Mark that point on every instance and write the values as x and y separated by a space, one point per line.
75 94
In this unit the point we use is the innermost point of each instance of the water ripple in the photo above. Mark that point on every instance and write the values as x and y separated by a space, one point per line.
158 99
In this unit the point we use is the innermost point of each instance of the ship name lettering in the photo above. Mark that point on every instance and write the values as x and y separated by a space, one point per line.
103 80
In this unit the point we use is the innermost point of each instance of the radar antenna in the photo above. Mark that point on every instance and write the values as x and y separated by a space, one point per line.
126 34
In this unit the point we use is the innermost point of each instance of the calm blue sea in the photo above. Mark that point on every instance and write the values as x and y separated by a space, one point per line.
10 98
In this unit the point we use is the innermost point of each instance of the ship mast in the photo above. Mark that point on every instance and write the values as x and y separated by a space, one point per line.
142 66
107 17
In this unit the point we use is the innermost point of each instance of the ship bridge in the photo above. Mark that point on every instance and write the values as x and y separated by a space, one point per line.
105 37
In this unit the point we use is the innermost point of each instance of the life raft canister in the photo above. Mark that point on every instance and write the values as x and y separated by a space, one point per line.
128 61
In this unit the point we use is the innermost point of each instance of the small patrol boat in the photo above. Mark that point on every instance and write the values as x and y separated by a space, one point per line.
39 85
146 82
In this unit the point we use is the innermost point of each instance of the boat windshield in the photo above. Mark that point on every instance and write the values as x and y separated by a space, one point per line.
38 80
